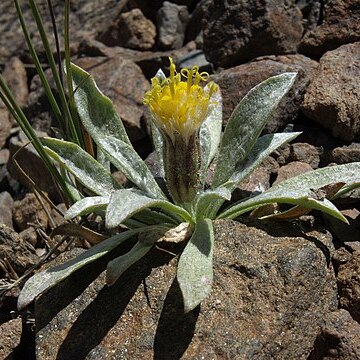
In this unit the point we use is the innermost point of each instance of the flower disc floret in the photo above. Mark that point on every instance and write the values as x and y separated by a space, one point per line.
180 106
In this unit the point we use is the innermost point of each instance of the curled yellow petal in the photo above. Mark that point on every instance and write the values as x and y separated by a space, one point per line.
180 106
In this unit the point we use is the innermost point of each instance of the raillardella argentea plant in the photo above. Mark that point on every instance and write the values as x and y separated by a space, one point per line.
187 136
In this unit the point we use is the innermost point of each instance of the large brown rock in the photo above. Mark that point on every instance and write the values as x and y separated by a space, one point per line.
332 98
272 289
340 24
87 18
237 81
237 31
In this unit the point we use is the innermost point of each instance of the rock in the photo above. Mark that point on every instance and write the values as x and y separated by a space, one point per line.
131 30
171 21
340 256
292 169
235 32
306 153
194 27
30 211
257 182
348 281
16 78
346 232
345 154
123 82
311 11
340 24
194 58
270 285
339 339
16 256
32 165
5 124
236 82
332 98
6 207
30 236
10 338
87 19
149 62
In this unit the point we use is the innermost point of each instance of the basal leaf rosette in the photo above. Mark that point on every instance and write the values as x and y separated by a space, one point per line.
179 105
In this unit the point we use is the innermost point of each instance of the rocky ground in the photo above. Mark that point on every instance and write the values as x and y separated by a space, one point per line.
282 291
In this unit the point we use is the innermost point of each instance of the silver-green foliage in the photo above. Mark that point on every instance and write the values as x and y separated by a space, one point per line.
146 208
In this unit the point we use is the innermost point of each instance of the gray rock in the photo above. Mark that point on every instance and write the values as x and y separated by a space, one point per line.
339 339
6 207
273 286
332 98
235 32
171 21
236 82
348 281
339 24
131 30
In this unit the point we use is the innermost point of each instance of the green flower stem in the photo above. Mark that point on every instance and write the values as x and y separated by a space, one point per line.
182 164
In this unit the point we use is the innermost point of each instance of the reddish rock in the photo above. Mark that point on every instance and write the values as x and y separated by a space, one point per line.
332 98
236 82
257 182
339 339
271 286
237 31
131 30
340 24
292 169
124 83
348 281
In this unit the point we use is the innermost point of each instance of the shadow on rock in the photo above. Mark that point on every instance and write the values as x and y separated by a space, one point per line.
175 329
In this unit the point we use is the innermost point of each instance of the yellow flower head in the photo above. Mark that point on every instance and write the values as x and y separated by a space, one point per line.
180 106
